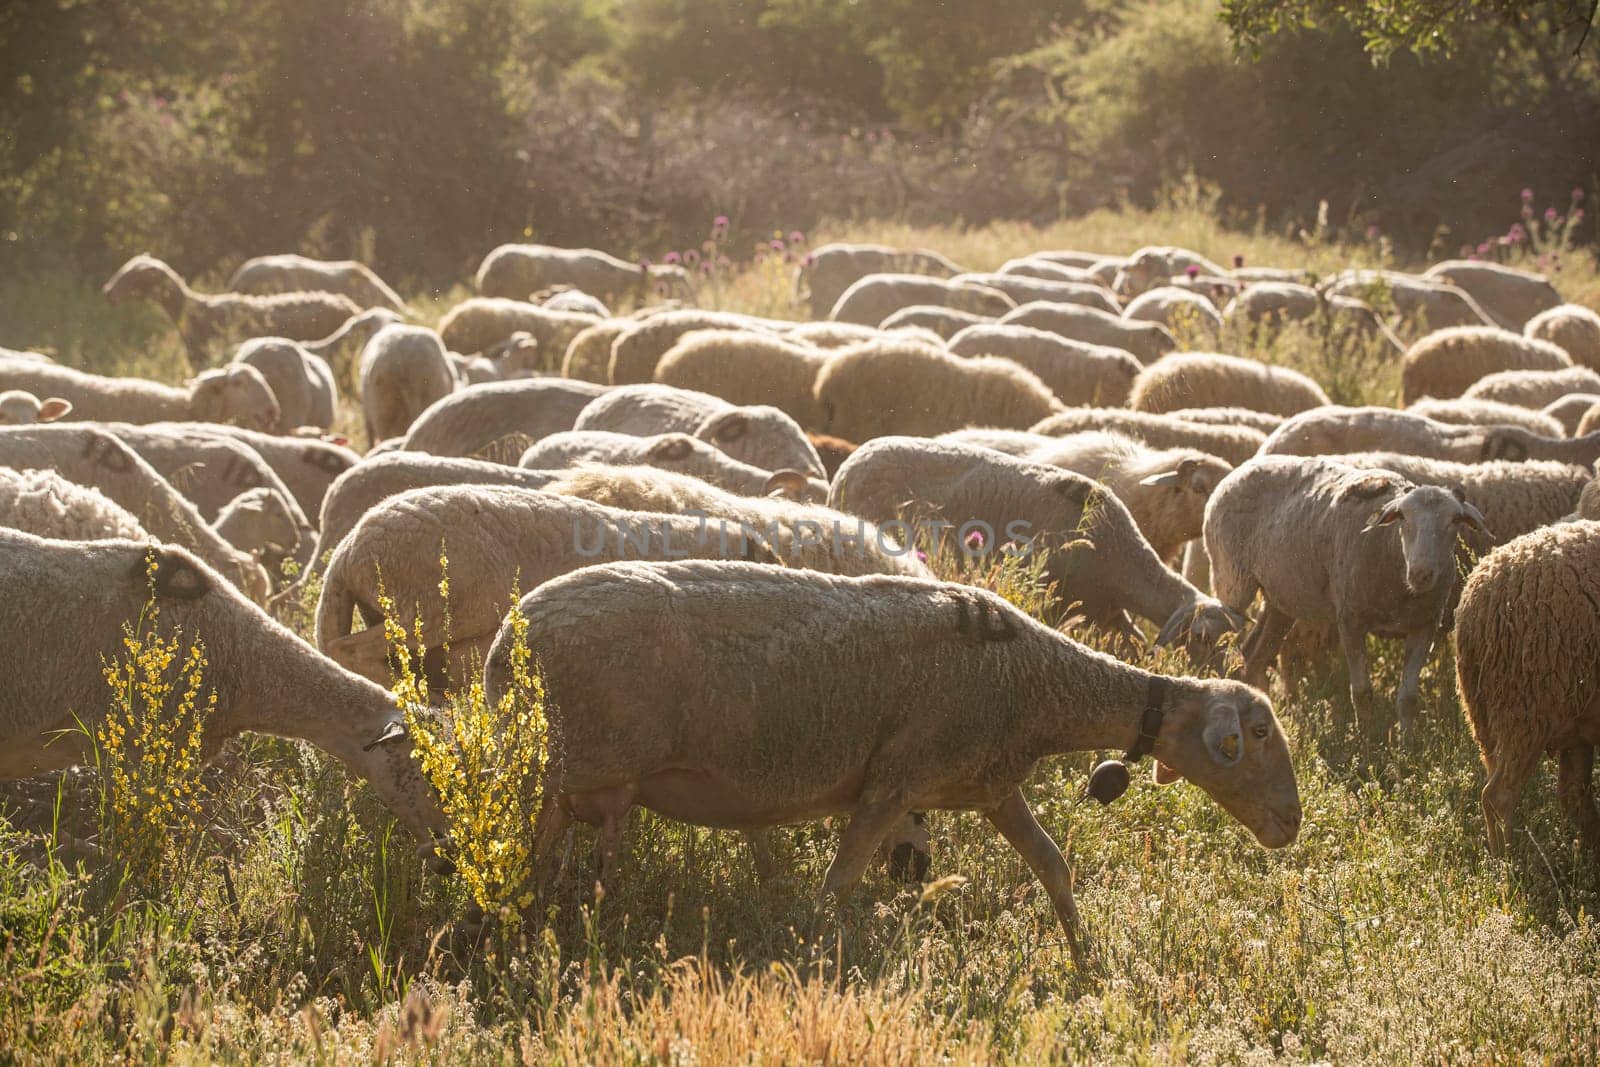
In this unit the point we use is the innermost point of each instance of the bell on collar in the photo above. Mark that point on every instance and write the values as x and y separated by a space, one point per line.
1109 781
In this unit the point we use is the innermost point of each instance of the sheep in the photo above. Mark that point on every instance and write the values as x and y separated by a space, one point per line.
496 538
758 435
296 274
1260 421
473 421
828 271
1446 363
1175 308
1071 257
1268 306
1331 430
746 367
301 382
208 468
1153 265
1232 443
478 324
1049 270
237 393
588 355
1215 291
262 522
1078 374
911 388
1461 412
1096 555
305 465
93 457
18 407
635 353
1019 443
404 371
941 321
1589 424
43 503
342 347
1209 379
265 679
1165 490
1419 301
1310 534
1510 296
518 270
1526 643
1148 341
1534 388
853 733
566 298
672 451
1572 327
1565 413
877 296
1023 290
831 450
205 320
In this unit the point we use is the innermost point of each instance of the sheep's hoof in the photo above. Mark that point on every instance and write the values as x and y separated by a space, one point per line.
907 863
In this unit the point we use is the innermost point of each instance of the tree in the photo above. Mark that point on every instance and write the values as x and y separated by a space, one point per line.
1420 26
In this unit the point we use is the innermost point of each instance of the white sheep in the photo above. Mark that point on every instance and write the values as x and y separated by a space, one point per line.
1210 379
518 270
301 381
18 407
1148 341
1510 296
305 465
759 435
475 421
874 298
1153 265
588 354
404 371
1565 413
43 503
747 367
1572 327
1177 309
1078 374
1259 421
941 321
1418 301
1476 412
567 298
672 451
1363 551
636 351
235 393
829 270
1331 430
1534 388
262 522
1231 442
1024 290
343 346
1446 363
478 324
289 273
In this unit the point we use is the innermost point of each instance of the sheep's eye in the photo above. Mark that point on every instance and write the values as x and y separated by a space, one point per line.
1260 730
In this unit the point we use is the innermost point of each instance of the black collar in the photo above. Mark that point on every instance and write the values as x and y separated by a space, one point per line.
1150 725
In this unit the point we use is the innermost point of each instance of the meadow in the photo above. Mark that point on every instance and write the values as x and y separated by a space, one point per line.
294 923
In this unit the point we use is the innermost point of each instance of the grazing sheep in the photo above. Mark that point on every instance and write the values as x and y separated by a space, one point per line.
1259 421
302 383
566 298
236 393
478 324
474 421
208 320
635 353
1588 503
1526 641
746 367
1331 430
1311 535
1510 296
496 539
404 371
43 503
1589 424
827 272
298 274
18 407
832 451
1566 412
93 457
1072 257
1269 306
1165 490
1232 443
265 679
671 451
1513 497
1534 388
1463 412
1096 555
305 465
1148 341
1174 307
262 522
1153 265
905 387
759 435
516 271
1019 443
588 355
342 347
1572 327
1078 374
874 298
853 732
1024 290
1049 270
1209 379
941 321
1420 302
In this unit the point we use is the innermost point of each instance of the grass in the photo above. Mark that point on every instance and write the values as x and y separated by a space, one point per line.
311 933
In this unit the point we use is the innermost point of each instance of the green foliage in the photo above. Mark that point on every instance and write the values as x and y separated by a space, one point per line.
1420 26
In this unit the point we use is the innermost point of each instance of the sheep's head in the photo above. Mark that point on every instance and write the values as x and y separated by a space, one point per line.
1429 518
144 277
1200 625
261 522
20 408
1224 737
237 393
671 282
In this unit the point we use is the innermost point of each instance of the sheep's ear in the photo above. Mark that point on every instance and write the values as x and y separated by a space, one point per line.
1178 623
1164 479
1223 735
1503 446
672 447
54 408
1366 488
732 427
1387 517
175 576
395 730
790 485
1472 517
1166 775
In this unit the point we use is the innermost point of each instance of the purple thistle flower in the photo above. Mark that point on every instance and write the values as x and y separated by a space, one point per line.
1373 232
1192 271
1483 249
1576 216
921 555
720 222
1577 194
671 257
691 257
1551 215
974 541
707 269
796 237
1517 234
807 260
1527 195
1238 262
775 244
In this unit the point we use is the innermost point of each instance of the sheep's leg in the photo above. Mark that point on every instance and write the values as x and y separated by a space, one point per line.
1262 643
761 853
1354 639
1576 790
1418 645
868 824
1508 777
1016 823
549 829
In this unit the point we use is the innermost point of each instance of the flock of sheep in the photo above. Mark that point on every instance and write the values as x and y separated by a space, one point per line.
810 664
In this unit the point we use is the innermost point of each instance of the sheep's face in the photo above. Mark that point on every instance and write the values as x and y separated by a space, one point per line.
1429 518
239 394
19 408
1225 738
1201 627
141 278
